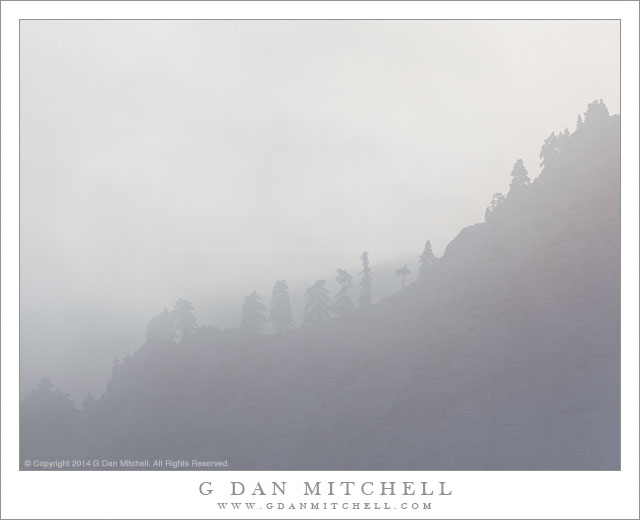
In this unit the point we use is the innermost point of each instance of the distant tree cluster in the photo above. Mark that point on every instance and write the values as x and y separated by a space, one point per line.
550 153
184 318
181 321
167 326
318 306
161 328
519 181
47 420
173 326
497 201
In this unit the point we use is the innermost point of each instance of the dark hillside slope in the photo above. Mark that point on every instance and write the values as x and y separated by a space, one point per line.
506 356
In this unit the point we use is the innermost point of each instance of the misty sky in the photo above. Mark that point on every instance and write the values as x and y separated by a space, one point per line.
207 159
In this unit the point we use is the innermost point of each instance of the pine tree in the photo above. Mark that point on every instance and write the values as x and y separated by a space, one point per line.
161 328
426 259
596 113
317 306
253 314
366 293
520 176
549 151
342 304
280 313
497 201
403 271
48 420
184 319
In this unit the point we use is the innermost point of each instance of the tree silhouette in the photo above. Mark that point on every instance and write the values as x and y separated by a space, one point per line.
47 421
365 296
342 304
253 314
426 259
497 201
161 328
597 112
550 150
280 312
184 318
520 176
403 271
317 306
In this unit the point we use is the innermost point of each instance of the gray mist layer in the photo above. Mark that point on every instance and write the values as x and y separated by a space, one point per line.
206 160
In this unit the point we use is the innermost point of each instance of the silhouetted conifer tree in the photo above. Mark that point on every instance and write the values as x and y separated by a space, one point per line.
550 151
366 292
597 112
161 328
280 313
520 176
253 314
404 272
47 420
342 304
497 201
426 259
184 319
317 306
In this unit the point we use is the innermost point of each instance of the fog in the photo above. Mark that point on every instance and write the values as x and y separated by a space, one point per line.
208 159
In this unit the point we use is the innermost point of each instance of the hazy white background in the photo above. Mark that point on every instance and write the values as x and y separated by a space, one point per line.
207 159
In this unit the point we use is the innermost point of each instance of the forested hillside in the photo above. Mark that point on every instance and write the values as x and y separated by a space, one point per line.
504 354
